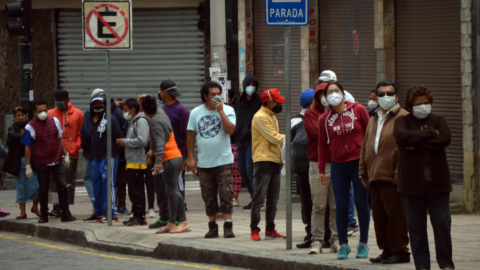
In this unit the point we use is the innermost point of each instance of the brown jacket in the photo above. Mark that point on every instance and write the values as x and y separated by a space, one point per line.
384 165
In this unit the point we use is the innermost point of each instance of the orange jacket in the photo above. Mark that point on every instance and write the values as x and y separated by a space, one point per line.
71 124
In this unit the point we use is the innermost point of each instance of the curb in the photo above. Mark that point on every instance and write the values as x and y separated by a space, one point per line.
183 252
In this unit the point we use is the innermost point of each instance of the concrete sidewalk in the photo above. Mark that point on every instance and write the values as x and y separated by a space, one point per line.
238 252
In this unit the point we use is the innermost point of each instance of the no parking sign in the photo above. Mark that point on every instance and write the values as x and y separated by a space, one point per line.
107 25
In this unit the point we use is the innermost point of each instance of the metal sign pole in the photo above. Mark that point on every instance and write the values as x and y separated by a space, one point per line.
287 137
109 140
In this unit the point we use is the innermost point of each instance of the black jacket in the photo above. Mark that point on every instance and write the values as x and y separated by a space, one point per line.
429 148
245 110
300 162
16 151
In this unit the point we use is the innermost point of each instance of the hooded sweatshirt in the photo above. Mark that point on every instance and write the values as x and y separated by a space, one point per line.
71 122
162 138
136 140
342 134
96 138
310 120
245 110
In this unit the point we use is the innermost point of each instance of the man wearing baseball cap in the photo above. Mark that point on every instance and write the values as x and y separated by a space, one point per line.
267 161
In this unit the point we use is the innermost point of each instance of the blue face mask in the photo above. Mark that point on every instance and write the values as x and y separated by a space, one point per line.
60 105
250 90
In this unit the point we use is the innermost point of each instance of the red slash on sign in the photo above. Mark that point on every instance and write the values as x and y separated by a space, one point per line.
107 25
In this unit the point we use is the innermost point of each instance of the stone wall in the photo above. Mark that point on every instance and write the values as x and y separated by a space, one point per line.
384 12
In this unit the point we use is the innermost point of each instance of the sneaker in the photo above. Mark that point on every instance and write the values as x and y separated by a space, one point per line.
104 219
315 248
92 218
158 224
3 213
212 230
228 230
255 236
67 217
136 222
236 202
151 213
352 229
56 211
334 247
362 251
43 219
123 211
126 221
343 253
273 235
248 208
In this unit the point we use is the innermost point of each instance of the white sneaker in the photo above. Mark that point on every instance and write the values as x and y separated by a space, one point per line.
151 213
334 248
316 248
236 202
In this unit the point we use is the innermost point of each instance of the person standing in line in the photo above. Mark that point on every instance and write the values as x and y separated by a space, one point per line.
245 108
340 136
372 103
178 115
379 167
27 189
3 154
168 161
210 126
134 144
122 174
324 225
71 120
43 140
424 181
267 157
237 179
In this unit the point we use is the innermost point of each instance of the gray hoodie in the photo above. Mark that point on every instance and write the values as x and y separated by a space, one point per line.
160 131
136 140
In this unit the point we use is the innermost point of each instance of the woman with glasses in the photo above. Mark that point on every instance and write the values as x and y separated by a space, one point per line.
15 164
424 178
340 138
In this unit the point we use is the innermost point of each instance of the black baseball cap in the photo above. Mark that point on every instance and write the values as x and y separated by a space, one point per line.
61 94
171 87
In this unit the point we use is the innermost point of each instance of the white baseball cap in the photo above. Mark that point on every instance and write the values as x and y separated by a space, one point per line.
97 91
327 75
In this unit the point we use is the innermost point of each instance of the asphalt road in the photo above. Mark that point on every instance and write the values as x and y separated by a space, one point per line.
21 252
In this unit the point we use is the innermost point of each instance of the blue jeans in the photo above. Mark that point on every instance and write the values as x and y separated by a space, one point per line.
351 209
343 176
100 186
88 181
245 167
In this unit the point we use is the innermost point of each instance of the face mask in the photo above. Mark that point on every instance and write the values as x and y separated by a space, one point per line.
422 111
160 96
42 116
277 109
127 116
60 105
324 102
372 105
335 99
250 90
21 123
98 109
386 102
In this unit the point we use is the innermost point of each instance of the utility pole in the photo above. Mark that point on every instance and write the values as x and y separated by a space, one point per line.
218 38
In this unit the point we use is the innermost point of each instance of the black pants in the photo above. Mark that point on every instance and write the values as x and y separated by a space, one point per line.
162 200
122 180
136 192
58 173
266 182
149 186
415 207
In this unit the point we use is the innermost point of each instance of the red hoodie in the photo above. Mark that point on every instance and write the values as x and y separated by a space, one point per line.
342 134
310 121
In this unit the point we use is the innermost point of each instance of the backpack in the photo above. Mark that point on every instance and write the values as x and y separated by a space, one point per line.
300 162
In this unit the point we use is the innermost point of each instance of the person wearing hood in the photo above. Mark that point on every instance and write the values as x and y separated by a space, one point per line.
340 136
43 139
245 108
379 167
71 120
323 229
96 139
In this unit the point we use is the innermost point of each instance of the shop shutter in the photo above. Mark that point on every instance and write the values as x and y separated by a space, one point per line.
268 59
347 44
428 52
166 45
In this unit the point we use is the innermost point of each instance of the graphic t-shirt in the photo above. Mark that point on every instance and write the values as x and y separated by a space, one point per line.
213 142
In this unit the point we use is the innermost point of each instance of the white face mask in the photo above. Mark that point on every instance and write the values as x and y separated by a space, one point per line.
42 116
250 90
127 116
386 102
372 105
335 99
324 102
422 111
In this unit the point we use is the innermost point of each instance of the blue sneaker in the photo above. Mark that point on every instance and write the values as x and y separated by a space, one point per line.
362 251
123 211
343 253
3 213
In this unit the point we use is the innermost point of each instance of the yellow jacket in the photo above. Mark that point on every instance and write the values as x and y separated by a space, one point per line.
266 139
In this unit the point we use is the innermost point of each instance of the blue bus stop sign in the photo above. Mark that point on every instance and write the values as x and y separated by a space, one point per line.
286 12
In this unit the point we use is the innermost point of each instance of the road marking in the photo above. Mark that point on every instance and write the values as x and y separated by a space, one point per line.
106 256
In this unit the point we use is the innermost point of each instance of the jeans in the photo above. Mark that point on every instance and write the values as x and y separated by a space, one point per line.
267 184
171 171
245 167
439 209
351 209
58 173
122 179
88 181
26 189
343 176
71 182
136 192
100 186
